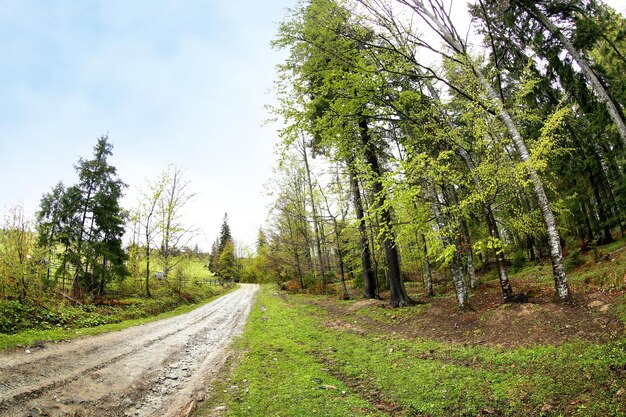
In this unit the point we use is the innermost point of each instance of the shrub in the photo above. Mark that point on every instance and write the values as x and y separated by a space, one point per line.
518 261
573 260
11 313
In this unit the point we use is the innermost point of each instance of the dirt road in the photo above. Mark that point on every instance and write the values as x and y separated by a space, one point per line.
156 369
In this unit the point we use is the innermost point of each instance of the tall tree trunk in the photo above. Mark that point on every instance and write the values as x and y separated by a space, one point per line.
369 280
587 223
504 281
554 242
78 267
604 221
399 296
460 286
466 242
505 284
296 256
342 279
318 246
147 269
494 233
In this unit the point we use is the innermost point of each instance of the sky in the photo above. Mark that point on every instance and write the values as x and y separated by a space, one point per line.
170 82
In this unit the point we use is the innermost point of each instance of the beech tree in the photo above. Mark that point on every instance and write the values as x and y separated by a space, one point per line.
147 217
434 14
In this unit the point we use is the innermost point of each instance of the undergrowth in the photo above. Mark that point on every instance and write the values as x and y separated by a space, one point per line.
25 324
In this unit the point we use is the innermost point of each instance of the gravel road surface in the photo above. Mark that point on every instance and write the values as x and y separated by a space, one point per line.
156 369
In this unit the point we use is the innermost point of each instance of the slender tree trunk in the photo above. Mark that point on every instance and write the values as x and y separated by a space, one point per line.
342 279
587 223
429 273
433 16
102 278
460 286
147 269
470 165
369 280
469 252
554 242
505 284
318 246
604 221
78 263
494 233
466 242
337 232
294 246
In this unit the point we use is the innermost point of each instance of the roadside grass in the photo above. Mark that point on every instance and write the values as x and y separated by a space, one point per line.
35 336
280 375
298 362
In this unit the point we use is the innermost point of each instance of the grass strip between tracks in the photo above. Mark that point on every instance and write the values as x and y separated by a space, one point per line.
34 337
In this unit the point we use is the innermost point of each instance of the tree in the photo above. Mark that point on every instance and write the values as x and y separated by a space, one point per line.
90 223
49 223
225 235
566 11
433 13
147 212
174 233
219 246
228 265
20 264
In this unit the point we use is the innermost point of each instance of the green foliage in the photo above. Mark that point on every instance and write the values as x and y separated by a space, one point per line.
21 261
228 265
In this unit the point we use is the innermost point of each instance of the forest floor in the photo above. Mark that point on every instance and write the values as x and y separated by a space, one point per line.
316 355
156 369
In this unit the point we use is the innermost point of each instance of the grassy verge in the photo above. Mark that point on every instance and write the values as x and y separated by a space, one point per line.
278 375
298 362
31 337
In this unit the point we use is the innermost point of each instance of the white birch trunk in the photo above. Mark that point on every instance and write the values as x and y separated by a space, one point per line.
460 286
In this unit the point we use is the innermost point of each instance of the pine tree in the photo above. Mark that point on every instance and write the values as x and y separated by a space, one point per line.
88 221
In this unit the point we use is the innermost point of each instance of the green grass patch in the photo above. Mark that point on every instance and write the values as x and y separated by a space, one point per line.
297 363
279 375
151 310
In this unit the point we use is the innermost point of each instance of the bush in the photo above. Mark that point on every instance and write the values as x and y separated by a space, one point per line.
518 262
11 313
573 260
